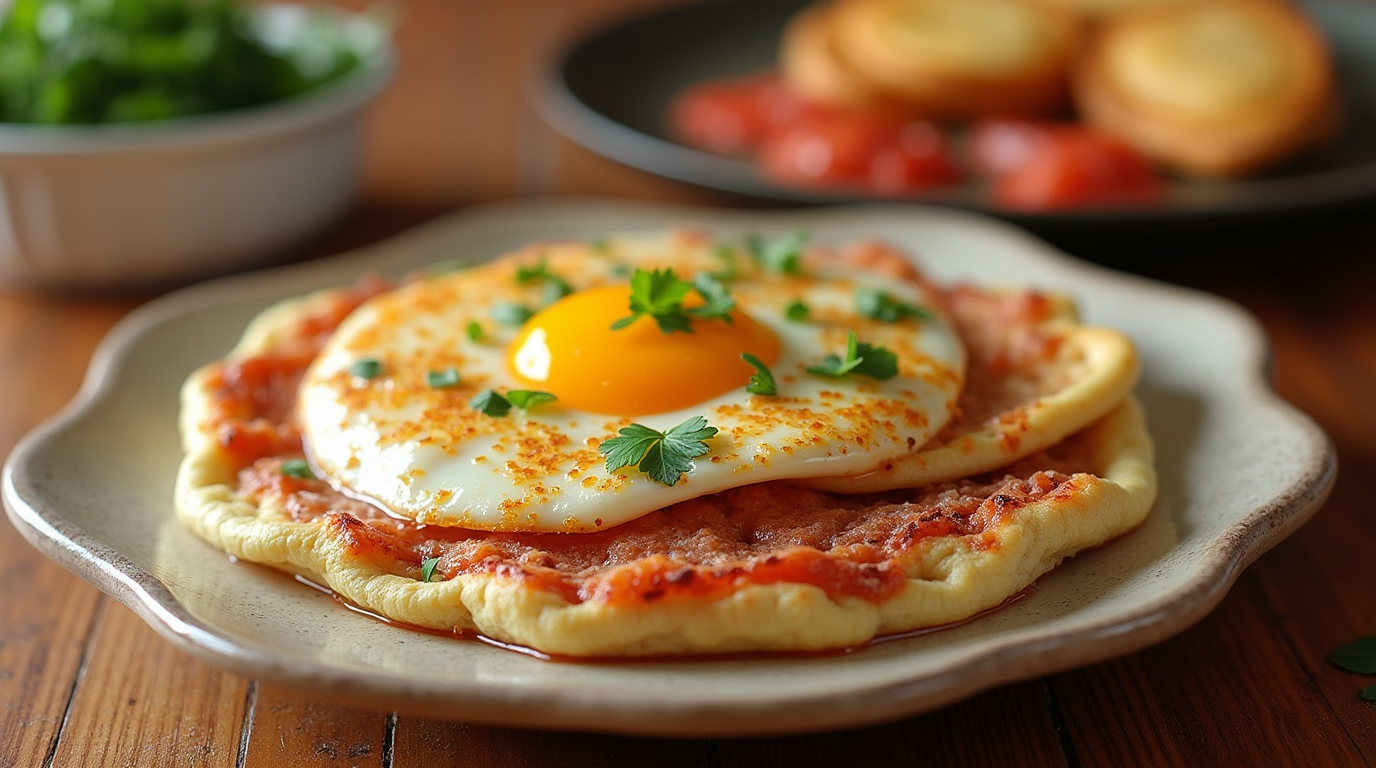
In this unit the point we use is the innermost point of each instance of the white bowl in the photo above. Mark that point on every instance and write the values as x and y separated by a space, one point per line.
167 202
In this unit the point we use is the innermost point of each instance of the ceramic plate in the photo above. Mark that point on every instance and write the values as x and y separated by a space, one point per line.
1239 470
591 95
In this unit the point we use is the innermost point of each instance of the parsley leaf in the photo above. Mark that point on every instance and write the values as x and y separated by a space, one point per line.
367 368
630 446
762 383
511 314
474 329
797 311
427 568
440 379
717 300
732 269
875 362
297 468
836 367
660 294
526 275
554 291
880 305
525 399
1356 656
662 456
490 403
781 256
555 288
861 358
541 272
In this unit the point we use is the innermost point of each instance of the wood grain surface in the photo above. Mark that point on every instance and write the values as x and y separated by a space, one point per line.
84 682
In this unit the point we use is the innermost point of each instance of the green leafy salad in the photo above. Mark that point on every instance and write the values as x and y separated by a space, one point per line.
115 61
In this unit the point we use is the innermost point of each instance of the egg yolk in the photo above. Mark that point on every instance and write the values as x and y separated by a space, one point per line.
569 349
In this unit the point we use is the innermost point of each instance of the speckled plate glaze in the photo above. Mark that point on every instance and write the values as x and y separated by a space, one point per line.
1240 469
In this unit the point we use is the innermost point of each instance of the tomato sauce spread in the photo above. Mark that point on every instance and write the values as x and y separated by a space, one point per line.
884 151
849 545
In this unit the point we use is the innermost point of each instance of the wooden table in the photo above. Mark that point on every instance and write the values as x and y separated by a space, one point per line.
83 681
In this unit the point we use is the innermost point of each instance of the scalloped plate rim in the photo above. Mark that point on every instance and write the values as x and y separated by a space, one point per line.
981 666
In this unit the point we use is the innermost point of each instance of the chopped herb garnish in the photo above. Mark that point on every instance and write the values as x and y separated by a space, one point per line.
780 256
555 288
600 245
511 314
554 291
621 270
660 294
797 311
297 468
861 358
732 269
525 399
474 329
880 305
762 382
440 379
493 403
662 456
427 568
367 368
490 403
717 301
526 275
1357 656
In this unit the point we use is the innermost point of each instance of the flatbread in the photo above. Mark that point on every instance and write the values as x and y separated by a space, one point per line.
765 567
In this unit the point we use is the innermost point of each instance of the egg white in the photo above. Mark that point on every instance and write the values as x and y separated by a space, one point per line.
423 453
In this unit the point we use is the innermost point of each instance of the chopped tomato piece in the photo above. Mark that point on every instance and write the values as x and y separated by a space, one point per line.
919 157
1066 166
804 144
834 149
1001 146
877 150
780 106
732 116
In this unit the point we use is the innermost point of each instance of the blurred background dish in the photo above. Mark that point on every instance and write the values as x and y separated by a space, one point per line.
593 97
157 197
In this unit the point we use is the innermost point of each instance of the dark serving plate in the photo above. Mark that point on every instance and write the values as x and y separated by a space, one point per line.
610 93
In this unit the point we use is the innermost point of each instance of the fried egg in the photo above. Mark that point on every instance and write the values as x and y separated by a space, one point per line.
390 408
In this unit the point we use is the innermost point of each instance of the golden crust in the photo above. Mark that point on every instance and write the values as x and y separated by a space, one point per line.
1211 89
959 58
